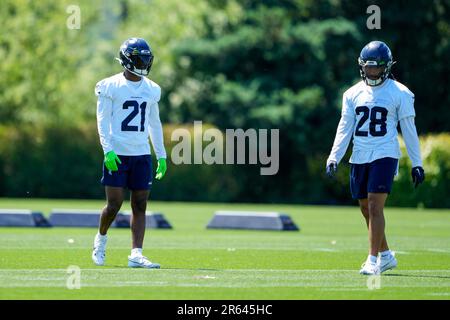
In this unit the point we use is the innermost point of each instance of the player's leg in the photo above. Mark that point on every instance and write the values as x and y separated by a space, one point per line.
114 200
364 206
376 203
375 224
114 183
138 206
381 177
139 182
359 176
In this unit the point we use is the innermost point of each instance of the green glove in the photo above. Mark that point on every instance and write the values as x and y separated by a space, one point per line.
161 170
110 161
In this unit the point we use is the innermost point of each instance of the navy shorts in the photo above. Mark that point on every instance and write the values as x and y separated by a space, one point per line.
376 176
135 173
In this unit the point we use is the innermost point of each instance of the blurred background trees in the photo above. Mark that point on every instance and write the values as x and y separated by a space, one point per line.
232 64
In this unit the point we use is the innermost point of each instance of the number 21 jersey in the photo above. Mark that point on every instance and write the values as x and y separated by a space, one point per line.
127 113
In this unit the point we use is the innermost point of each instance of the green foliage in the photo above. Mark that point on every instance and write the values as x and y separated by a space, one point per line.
195 182
273 69
50 161
285 65
40 62
49 71
233 64
434 192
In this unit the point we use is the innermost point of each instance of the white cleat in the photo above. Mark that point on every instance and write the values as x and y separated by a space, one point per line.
139 261
387 263
99 251
369 269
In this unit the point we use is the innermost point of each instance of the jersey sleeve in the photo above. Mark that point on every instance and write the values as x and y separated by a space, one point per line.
157 92
409 133
156 132
347 107
406 105
344 131
102 89
104 114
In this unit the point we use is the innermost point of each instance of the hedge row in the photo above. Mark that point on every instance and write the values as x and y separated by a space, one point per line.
65 162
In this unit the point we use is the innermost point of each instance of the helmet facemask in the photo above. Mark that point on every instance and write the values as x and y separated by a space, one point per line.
136 62
367 70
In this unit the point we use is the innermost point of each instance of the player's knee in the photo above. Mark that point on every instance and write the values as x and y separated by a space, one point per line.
139 205
113 207
364 210
375 208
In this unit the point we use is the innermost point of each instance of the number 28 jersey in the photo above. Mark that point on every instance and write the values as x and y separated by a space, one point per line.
127 114
375 113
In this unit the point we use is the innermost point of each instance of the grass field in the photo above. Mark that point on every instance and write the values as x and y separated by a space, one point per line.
319 262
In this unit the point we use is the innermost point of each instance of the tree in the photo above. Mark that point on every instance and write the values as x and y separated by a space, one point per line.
274 67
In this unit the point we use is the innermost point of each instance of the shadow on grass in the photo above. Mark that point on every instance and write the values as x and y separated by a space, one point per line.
192 269
163 268
414 276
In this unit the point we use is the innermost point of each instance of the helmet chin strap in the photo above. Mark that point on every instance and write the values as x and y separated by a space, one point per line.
139 72
373 83
381 79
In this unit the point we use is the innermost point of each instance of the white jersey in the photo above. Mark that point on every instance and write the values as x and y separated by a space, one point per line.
370 115
127 114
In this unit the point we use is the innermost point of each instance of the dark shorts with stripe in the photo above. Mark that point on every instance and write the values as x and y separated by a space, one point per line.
376 176
135 173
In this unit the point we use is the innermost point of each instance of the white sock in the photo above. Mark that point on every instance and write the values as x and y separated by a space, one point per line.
385 254
101 237
372 259
136 252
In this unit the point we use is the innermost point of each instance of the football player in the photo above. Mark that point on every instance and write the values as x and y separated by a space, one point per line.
371 110
127 114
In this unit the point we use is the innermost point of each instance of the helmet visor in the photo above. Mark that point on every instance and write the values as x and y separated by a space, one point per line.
373 72
142 62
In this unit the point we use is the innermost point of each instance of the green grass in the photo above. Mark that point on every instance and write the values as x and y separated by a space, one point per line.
319 262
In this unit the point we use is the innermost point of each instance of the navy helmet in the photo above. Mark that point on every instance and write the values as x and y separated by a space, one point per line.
375 54
136 56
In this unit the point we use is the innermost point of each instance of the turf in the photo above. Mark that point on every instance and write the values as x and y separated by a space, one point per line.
319 262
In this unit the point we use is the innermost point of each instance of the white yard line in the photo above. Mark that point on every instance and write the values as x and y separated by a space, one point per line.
199 269
439 250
